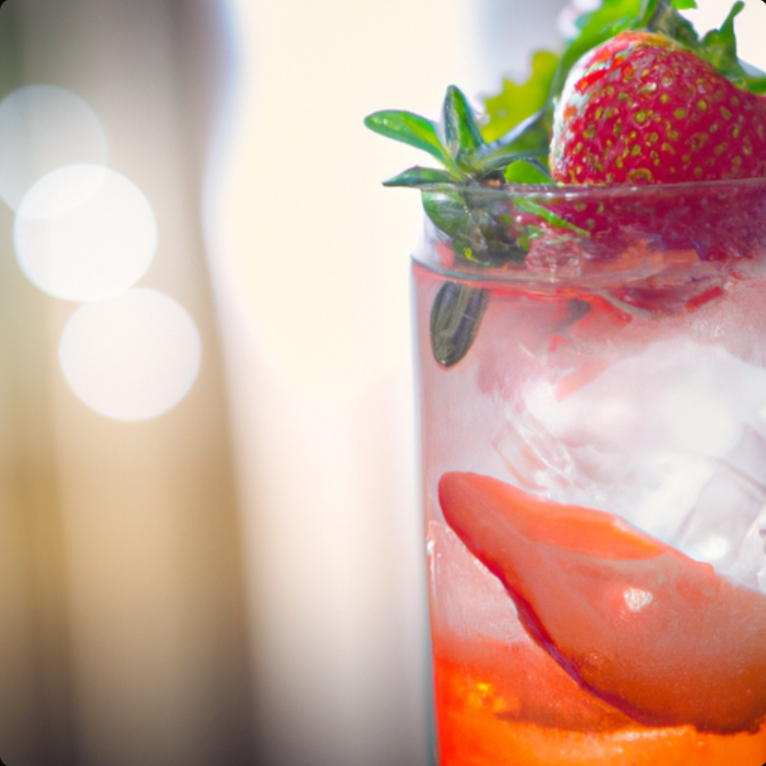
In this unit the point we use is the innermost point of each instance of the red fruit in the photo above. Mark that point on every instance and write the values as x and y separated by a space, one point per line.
659 636
640 109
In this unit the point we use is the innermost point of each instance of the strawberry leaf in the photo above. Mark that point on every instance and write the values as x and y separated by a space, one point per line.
410 129
515 103
462 135
756 83
662 17
719 47
421 177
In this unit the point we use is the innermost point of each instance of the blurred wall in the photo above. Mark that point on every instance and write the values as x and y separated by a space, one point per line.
123 635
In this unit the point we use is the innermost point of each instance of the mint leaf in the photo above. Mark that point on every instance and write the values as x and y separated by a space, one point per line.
449 213
515 103
410 129
419 178
455 318
527 172
479 225
462 135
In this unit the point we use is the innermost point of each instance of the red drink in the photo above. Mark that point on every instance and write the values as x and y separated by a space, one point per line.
594 452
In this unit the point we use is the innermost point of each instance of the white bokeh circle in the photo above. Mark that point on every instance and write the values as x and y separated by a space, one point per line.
132 357
42 128
84 233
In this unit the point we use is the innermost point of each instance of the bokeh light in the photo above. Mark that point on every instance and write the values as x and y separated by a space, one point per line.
132 357
84 233
42 128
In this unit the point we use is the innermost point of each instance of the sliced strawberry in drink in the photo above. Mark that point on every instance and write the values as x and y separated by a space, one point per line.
642 626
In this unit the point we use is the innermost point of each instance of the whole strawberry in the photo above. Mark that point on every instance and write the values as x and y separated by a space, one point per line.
640 109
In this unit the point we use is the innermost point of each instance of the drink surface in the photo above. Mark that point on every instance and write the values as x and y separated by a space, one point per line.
610 608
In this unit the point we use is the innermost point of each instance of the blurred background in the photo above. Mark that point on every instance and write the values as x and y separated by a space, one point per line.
210 543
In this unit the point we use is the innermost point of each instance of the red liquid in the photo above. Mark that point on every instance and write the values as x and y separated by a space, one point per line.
478 726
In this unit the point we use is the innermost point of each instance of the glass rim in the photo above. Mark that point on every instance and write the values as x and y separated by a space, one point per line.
592 277
608 191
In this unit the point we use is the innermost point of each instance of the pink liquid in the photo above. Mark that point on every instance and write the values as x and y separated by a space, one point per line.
501 696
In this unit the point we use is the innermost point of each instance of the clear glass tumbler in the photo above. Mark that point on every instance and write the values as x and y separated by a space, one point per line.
592 366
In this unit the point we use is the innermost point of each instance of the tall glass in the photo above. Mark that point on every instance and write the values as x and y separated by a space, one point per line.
593 413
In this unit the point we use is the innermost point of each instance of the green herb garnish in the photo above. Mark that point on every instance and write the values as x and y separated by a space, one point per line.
509 143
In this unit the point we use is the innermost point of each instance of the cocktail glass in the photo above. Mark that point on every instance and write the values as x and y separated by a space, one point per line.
592 367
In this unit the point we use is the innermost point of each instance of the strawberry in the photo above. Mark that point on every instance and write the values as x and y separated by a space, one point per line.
641 109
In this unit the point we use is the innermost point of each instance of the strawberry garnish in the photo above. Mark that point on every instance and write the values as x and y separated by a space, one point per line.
642 109
659 636
647 101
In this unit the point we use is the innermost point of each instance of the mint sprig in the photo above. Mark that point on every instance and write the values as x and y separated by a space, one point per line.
457 142
481 233
410 129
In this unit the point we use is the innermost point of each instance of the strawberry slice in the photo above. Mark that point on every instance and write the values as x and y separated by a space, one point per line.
659 636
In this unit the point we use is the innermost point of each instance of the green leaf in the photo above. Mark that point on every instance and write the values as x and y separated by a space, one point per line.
449 213
719 47
462 135
410 129
550 217
480 226
755 84
422 177
665 20
515 103
684 5
455 319
526 172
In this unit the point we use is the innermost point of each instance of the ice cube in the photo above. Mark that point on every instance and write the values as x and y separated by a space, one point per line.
670 484
672 439
749 565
